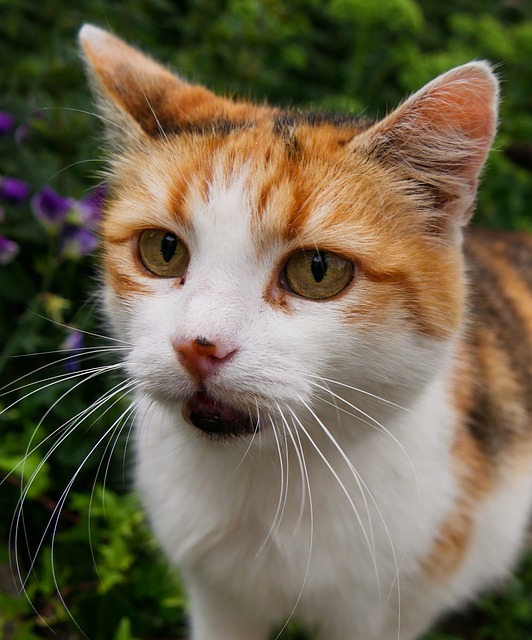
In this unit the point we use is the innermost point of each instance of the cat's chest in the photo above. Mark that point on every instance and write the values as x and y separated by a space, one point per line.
220 508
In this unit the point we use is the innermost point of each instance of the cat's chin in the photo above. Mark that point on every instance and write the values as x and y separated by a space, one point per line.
217 419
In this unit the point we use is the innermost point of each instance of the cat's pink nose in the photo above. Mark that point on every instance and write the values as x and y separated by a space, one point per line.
201 357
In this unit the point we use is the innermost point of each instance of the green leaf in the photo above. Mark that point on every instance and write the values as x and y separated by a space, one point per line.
123 631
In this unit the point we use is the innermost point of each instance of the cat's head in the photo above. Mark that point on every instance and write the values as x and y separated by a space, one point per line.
255 258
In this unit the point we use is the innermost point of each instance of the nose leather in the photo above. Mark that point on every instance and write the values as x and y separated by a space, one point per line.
201 358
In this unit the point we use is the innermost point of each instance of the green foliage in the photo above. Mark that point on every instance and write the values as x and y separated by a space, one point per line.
90 562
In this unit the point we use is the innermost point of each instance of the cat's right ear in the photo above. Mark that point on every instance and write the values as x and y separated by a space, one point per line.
136 95
439 140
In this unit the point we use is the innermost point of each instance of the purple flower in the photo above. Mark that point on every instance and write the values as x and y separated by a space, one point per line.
7 122
76 242
90 208
73 342
14 190
51 208
8 250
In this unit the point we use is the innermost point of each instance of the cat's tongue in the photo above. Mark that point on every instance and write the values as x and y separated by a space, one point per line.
213 417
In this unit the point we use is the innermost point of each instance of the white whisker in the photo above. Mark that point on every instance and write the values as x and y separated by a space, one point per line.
83 331
301 462
252 439
119 423
297 444
98 116
70 166
60 504
5 390
65 430
376 425
283 495
73 350
362 391
89 375
367 538
363 489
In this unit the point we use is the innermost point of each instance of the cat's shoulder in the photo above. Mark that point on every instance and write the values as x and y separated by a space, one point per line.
497 342
499 266
511 247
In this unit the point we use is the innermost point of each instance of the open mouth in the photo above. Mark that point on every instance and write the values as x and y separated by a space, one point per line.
216 418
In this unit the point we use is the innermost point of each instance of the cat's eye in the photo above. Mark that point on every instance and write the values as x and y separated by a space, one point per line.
317 274
163 253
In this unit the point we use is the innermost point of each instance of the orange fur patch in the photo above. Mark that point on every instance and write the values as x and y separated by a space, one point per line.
119 275
474 473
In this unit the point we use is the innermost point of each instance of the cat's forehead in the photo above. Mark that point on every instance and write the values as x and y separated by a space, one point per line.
285 178
245 191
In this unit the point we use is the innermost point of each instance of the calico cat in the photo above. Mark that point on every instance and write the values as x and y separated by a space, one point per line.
334 388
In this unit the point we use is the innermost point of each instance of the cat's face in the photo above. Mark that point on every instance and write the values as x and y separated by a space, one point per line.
254 258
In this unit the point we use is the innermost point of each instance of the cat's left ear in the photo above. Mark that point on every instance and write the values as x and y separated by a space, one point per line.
137 95
439 139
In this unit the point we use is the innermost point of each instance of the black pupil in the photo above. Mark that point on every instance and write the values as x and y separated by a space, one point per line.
168 246
318 266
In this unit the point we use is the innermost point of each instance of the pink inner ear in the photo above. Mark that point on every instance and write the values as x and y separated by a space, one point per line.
465 103
440 138
460 105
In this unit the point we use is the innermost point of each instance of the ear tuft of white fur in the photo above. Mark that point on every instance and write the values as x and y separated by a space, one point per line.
477 82
92 37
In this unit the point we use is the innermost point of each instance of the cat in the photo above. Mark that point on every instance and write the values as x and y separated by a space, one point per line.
333 405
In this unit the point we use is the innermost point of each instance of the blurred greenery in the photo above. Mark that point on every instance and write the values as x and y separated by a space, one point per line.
86 558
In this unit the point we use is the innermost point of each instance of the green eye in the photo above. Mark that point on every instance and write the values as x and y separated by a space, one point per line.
163 253
317 274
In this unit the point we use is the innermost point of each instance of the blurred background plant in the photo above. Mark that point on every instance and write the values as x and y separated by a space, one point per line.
103 576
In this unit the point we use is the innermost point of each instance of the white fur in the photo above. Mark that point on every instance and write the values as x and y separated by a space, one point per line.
283 526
